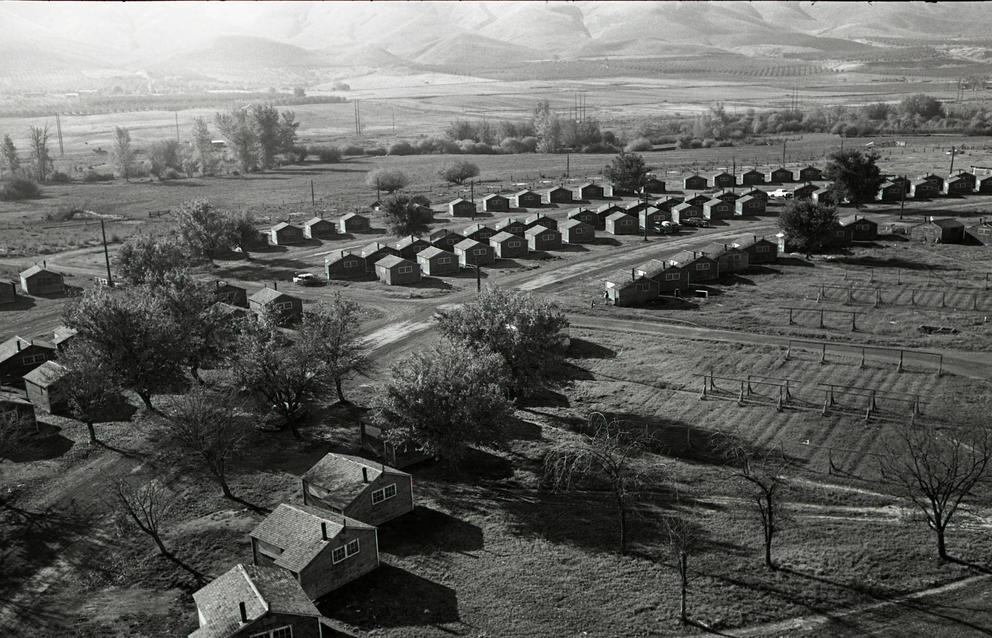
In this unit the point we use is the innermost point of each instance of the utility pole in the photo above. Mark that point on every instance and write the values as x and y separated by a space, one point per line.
394 120
567 163
783 153
377 190
951 171
58 125
177 126
902 199
106 255
313 197
478 279
644 200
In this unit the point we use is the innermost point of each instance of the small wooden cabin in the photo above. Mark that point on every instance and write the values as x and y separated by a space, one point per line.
435 262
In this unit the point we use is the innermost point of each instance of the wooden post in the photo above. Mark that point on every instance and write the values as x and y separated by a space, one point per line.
914 296
788 350
740 397
478 279
749 385
821 319
703 395
826 404
831 391
943 298
854 325
788 395
878 297
940 364
862 364
790 317
871 275
823 353
899 369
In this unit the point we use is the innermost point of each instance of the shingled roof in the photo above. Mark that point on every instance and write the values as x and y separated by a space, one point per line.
266 295
296 529
263 590
45 374
341 475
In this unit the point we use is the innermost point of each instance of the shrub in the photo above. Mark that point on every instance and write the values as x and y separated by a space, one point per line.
91 176
327 154
59 177
402 148
351 149
375 151
638 145
171 173
459 172
19 188
389 180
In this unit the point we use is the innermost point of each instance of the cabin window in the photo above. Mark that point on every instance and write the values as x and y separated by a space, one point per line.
761 249
702 266
512 244
404 270
641 287
384 494
279 632
345 551
282 305
32 359
839 233
548 237
672 276
351 548
479 251
444 260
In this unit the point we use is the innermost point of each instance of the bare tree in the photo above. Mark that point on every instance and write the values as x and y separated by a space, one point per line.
210 426
123 152
90 384
38 140
332 333
147 506
607 455
683 542
759 477
936 471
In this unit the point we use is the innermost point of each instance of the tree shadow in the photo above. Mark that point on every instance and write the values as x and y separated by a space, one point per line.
465 272
516 429
20 302
893 262
795 261
269 248
582 349
40 447
538 255
391 597
429 282
506 264
736 279
427 531
572 248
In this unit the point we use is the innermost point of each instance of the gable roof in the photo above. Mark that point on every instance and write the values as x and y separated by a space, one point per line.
457 201
392 260
373 247
46 374
267 295
338 255
572 223
715 249
525 191
684 206
494 195
653 267
431 252
261 589
750 240
317 220
296 529
538 229
63 333
280 226
575 212
947 223
440 233
715 202
687 257
850 219
353 216
341 475
468 230
501 236
619 215
34 270
9 348
410 241
509 221
606 207
467 243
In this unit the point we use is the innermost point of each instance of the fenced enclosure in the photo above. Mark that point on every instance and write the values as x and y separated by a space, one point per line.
849 354
944 297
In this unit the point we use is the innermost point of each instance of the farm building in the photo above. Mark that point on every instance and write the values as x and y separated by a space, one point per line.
718 209
940 231
225 292
924 188
684 211
366 491
723 179
373 440
983 184
248 601
42 385
507 246
38 280
810 174
525 199
651 218
890 192
698 200
409 247
695 183
934 178
374 252
748 205
8 292
15 409
321 550
342 264
556 195
283 234
654 185
461 208
825 196
435 261
19 356
585 215
804 192
727 196
780 175
699 268
354 223
667 274
624 290
318 228
756 193
840 236
543 238
511 225
588 192
752 177
959 184
862 228
540 220
474 253
621 224
445 239
576 231
287 307
667 203
759 250
634 208
393 270
63 335
495 203
478 232
729 258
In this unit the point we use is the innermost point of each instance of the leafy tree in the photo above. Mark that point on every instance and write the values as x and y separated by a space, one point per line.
89 385
937 471
146 260
132 333
9 159
211 427
387 179
331 332
147 506
204 230
165 155
608 455
19 188
523 330
192 305
460 130
265 122
627 172
406 217
287 132
459 172
203 147
38 140
547 128
922 105
854 174
443 401
123 152
808 225
245 233
326 154
237 129
13 435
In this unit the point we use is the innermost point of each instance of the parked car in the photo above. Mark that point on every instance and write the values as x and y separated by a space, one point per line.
781 193
305 279
698 222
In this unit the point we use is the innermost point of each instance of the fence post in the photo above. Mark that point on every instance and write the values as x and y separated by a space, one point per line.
940 364
899 369
826 403
821 319
914 296
778 406
740 397
878 297
974 302
788 350
703 395
749 385
823 353
862 364
790 317
831 392
854 325
943 299
850 294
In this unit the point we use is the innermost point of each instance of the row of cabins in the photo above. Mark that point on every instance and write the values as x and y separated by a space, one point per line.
285 233
300 553
499 203
723 179
930 186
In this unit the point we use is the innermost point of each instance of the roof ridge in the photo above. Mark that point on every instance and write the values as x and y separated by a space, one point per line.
251 583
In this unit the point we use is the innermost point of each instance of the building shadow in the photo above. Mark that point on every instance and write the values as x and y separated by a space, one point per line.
515 429
391 597
605 241
429 282
48 444
427 531
20 302
582 349
572 248
795 261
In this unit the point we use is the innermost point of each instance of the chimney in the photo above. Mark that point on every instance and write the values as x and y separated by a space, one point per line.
755 237
244 612
323 531
275 285
18 344
365 475
44 263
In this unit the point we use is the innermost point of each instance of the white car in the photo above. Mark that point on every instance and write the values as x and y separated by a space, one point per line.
781 192
305 279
